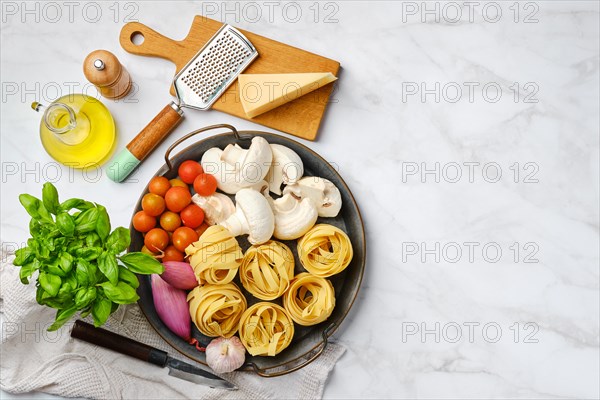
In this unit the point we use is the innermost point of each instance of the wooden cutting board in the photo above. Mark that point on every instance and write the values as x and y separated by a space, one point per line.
300 117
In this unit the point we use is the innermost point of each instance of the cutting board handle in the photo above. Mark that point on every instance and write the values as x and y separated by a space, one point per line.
154 44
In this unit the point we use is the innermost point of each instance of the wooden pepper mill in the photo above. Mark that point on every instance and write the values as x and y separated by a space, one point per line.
103 69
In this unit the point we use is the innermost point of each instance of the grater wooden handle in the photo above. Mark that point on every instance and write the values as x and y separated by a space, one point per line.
156 131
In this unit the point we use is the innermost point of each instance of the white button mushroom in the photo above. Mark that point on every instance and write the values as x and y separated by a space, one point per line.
293 217
236 168
217 207
253 216
321 191
287 168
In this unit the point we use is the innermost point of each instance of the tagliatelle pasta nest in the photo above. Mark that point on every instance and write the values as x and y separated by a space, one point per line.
267 269
310 299
216 309
215 257
266 329
325 250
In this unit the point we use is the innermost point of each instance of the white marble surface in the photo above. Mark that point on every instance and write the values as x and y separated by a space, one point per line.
378 139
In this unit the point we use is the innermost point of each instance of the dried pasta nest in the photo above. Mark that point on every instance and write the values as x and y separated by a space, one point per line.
310 299
215 257
266 329
325 250
267 269
216 309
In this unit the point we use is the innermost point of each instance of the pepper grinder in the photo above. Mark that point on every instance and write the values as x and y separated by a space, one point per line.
103 69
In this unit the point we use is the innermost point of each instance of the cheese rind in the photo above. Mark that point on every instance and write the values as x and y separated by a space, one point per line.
260 93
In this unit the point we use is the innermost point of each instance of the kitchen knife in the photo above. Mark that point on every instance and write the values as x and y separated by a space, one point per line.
179 369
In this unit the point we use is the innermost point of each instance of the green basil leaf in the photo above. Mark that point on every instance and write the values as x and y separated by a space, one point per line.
85 296
65 262
78 204
23 256
107 263
35 228
101 310
142 263
128 277
50 283
84 273
103 223
54 268
88 253
120 293
93 240
35 208
50 198
86 221
65 224
62 316
118 241
85 312
27 270
39 294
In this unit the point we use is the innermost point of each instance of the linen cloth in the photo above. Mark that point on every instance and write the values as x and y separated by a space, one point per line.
32 359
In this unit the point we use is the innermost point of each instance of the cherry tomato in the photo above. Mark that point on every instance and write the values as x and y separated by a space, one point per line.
189 170
170 221
200 230
156 239
178 182
183 237
192 216
153 204
143 222
205 184
146 251
172 254
159 185
177 198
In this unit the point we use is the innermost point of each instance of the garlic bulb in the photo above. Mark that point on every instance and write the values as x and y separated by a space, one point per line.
225 354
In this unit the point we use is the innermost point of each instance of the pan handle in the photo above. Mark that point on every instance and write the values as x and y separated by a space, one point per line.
289 366
197 131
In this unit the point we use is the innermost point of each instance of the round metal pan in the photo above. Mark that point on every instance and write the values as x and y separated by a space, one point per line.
308 342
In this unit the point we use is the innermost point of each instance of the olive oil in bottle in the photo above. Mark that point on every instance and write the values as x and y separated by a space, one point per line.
77 131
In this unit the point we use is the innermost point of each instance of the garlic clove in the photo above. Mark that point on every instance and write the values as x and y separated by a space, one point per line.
225 355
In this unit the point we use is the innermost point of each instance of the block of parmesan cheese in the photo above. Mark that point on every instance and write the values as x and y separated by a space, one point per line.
260 93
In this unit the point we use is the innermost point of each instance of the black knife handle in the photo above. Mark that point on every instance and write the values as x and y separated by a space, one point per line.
121 344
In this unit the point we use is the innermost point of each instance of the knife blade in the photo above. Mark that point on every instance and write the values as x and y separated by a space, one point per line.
177 368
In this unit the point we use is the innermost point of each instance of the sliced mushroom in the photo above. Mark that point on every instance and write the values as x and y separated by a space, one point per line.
321 191
236 168
253 216
217 207
287 168
293 217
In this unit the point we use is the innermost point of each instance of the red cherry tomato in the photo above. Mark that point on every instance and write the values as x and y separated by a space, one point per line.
143 222
153 204
189 170
205 184
156 239
159 185
170 221
172 254
178 182
177 198
192 216
200 230
183 237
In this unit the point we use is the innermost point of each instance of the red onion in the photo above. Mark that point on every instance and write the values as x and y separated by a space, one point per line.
172 307
179 274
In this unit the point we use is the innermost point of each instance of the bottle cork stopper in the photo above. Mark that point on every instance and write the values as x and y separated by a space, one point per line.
103 69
